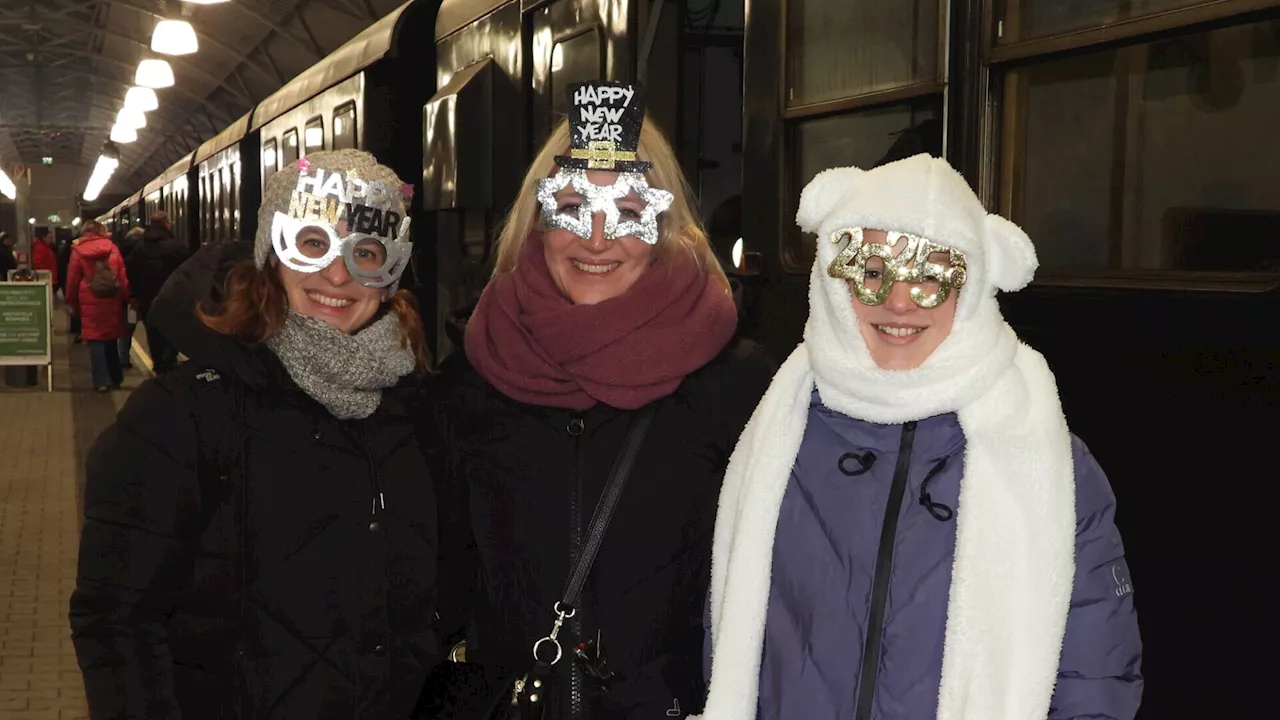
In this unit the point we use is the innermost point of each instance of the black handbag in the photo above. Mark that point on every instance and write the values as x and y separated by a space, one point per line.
470 691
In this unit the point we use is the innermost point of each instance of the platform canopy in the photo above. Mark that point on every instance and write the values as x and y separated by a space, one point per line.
66 65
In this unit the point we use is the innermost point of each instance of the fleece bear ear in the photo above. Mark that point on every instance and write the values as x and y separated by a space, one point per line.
1011 258
823 193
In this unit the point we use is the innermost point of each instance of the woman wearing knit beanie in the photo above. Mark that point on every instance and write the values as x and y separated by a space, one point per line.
260 526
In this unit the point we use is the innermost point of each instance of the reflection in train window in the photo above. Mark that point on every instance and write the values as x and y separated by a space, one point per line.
215 206
576 59
344 127
269 159
233 196
1100 172
863 139
1030 19
837 49
313 136
290 150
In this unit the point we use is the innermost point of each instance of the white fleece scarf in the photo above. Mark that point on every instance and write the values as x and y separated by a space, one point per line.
1015 539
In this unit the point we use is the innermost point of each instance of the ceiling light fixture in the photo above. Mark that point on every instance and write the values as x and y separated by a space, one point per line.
174 37
141 98
154 73
129 117
123 133
7 188
101 174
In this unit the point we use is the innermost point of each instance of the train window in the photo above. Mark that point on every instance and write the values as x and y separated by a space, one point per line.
344 127
836 49
864 138
269 160
289 154
1030 19
313 136
1099 169
575 59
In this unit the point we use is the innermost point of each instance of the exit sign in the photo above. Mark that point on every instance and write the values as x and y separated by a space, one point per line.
47 160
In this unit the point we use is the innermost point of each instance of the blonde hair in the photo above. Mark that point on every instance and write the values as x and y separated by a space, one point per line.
680 232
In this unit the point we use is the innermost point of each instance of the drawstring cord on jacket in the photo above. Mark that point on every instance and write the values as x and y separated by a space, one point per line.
866 460
940 512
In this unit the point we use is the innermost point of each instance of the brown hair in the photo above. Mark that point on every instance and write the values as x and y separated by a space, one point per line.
93 227
679 227
254 307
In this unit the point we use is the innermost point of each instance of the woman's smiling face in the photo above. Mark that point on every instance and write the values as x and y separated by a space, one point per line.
595 269
901 335
331 295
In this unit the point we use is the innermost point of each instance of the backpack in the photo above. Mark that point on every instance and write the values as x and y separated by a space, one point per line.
103 282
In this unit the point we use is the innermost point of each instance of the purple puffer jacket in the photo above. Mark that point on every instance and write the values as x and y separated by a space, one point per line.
823 594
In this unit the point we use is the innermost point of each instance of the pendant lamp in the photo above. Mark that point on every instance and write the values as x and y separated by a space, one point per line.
123 134
141 98
154 73
174 37
129 117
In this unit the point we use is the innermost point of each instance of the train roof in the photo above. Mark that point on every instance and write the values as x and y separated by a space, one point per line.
356 54
175 171
230 135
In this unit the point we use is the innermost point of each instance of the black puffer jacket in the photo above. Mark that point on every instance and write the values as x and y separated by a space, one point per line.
522 481
150 263
336 551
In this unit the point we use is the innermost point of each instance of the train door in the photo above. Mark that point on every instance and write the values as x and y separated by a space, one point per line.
569 42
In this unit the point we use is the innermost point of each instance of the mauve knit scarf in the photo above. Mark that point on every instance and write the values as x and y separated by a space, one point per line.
534 345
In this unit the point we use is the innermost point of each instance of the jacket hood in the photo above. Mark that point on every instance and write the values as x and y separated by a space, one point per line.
199 281
93 247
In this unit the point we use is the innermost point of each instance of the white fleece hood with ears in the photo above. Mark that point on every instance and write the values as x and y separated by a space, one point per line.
1015 534
924 196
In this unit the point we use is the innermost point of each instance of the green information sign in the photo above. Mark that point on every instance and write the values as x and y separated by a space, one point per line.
24 324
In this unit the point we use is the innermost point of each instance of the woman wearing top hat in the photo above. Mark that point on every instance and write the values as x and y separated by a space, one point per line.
606 301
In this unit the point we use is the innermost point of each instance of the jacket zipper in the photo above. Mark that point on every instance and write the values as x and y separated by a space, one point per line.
377 524
577 427
884 567
379 503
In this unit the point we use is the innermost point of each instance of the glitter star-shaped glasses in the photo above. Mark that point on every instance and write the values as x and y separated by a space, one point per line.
578 217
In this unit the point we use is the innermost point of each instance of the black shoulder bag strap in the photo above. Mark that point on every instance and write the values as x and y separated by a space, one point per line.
566 607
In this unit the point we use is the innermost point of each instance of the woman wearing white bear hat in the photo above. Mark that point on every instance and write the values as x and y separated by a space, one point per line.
907 528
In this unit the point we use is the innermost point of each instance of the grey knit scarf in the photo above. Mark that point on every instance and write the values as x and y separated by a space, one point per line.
345 373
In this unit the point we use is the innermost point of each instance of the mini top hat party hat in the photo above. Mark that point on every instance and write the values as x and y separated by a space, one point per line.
604 127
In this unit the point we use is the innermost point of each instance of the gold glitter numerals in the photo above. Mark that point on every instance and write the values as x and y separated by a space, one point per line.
910 264
947 278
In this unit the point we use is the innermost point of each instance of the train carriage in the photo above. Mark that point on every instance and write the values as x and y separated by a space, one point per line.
227 196
170 193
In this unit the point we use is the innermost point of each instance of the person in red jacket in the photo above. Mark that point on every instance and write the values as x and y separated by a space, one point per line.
101 317
42 255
